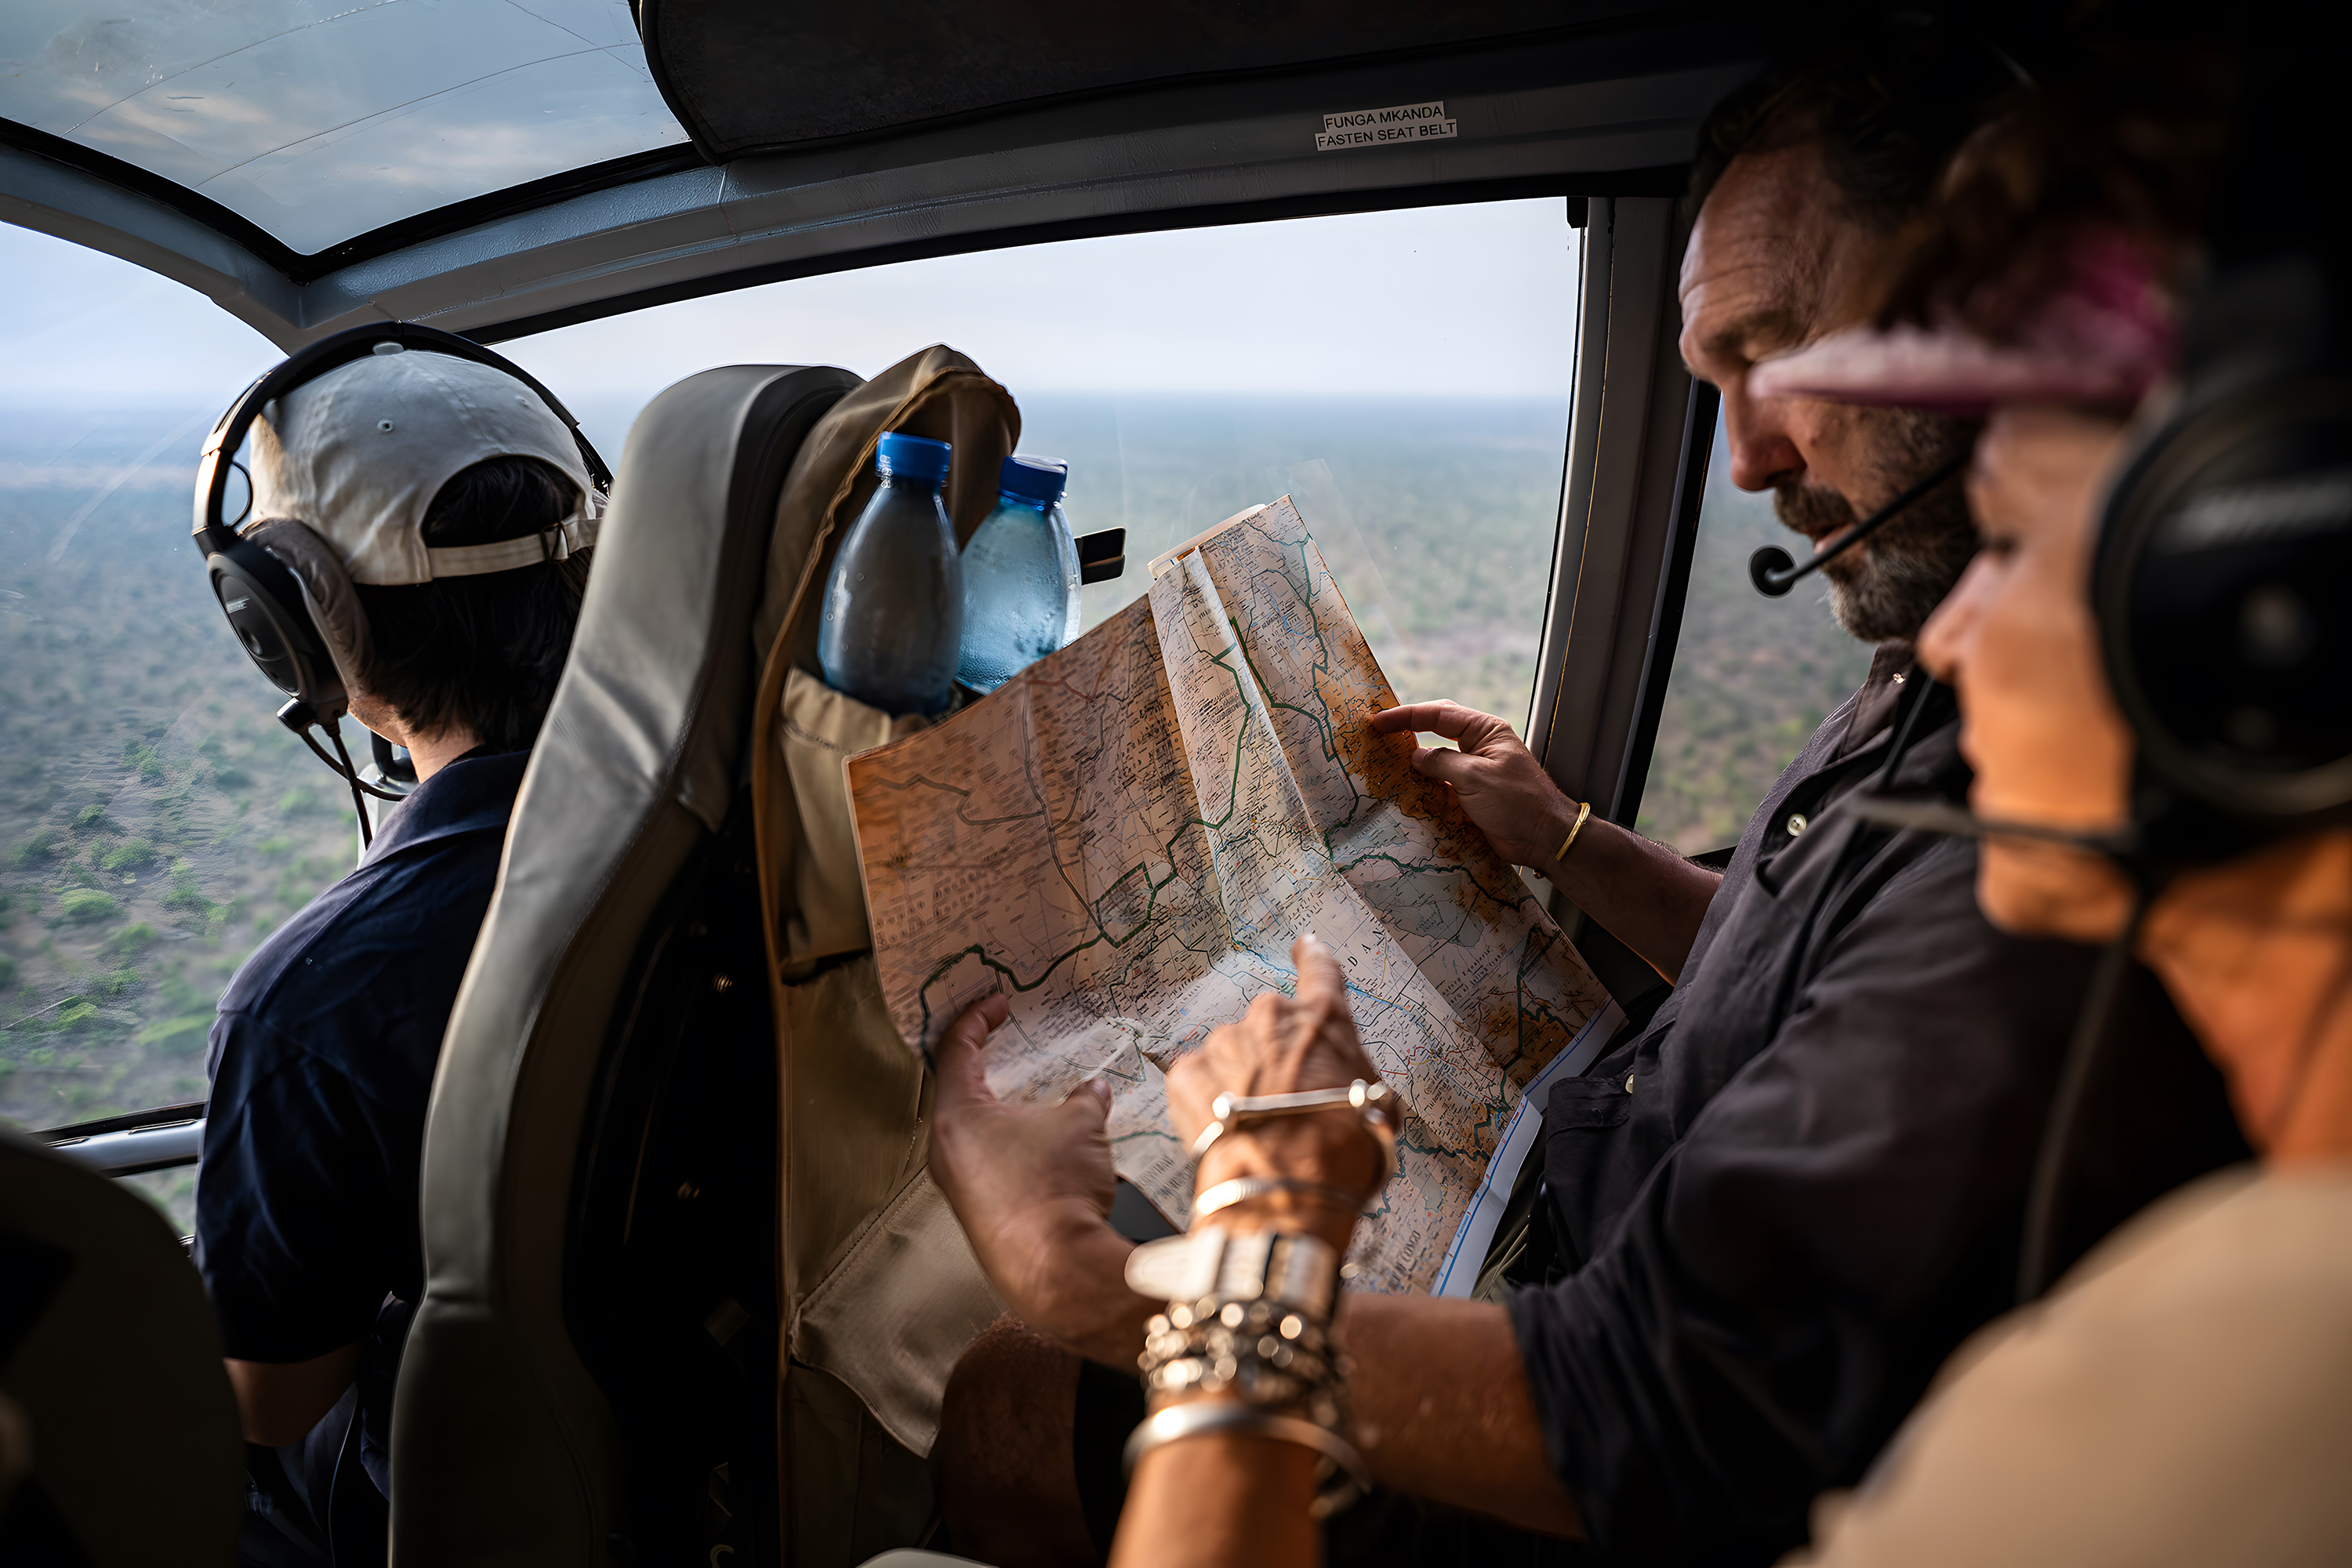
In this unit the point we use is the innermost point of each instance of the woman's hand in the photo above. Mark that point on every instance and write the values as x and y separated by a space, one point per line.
1284 1043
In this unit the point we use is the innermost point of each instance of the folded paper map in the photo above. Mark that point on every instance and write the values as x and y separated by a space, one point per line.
1126 836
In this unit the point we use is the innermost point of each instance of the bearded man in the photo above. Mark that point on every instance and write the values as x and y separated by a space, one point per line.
1766 1214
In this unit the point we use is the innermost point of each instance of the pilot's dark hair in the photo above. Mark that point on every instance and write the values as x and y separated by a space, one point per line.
1888 103
483 651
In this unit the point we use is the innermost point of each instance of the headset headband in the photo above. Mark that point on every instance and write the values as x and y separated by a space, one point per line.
329 353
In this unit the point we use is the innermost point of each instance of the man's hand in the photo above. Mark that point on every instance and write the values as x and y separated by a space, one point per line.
1284 1043
1032 1185
1649 897
1501 786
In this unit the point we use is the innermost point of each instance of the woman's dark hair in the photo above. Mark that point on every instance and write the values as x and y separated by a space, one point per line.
2126 142
484 652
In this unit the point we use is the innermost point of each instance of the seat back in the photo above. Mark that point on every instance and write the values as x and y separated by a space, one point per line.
550 1372
121 1433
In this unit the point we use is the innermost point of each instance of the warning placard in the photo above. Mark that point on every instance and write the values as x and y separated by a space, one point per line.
1381 127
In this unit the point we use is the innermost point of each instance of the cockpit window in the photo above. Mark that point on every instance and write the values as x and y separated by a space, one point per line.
1404 376
155 820
1752 676
321 123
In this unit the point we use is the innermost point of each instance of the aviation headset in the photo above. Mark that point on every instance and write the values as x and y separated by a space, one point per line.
285 592
1770 570
2218 584
2222 574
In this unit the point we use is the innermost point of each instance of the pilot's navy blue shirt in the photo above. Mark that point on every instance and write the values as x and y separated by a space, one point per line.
321 1062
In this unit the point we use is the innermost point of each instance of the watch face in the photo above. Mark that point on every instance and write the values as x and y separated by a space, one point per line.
1177 1268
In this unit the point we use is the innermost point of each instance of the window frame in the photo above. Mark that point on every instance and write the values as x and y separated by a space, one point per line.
1605 109
1606 123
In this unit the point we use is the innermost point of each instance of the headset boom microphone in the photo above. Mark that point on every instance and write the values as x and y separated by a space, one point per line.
1774 573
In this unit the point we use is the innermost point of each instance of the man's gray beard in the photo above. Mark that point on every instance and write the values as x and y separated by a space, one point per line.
1885 587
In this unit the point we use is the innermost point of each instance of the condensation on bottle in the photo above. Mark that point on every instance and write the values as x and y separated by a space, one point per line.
1020 576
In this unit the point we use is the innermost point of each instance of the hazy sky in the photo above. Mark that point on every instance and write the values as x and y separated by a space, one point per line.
1463 301
79 326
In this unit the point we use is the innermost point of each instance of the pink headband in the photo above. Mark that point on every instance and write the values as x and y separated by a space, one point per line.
2104 336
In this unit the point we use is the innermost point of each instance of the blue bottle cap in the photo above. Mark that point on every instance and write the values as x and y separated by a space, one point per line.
910 458
1037 480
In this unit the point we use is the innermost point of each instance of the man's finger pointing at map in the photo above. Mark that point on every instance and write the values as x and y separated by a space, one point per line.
1450 719
1499 784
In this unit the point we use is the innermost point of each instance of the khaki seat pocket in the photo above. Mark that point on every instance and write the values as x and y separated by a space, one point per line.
817 731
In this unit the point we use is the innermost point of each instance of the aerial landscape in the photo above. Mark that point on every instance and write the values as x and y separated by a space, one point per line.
1752 677
156 822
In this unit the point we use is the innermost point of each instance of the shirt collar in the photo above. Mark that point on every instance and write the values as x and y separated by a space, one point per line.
1894 671
472 795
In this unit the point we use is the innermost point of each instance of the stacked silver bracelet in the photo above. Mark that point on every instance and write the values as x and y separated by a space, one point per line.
1264 1354
1249 1317
1231 1112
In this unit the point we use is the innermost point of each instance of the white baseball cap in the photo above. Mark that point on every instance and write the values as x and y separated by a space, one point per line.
358 455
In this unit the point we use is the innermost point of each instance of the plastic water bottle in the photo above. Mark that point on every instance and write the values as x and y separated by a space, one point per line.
894 605
1020 576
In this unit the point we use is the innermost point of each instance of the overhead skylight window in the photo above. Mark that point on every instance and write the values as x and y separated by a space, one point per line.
321 119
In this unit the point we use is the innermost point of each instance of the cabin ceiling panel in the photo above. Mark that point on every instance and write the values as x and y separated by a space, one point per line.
784 215
1559 115
748 75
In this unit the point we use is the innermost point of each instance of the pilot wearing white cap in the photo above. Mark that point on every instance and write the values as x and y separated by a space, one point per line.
360 455
438 515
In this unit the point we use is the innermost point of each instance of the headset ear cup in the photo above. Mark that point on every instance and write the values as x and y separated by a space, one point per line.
263 602
2224 557
334 604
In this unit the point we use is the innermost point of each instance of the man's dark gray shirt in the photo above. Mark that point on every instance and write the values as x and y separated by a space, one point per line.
1779 1206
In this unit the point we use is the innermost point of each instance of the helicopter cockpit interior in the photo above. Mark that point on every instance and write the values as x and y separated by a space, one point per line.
691 1294
597 191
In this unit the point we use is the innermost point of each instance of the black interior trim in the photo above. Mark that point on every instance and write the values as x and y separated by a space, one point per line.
1667 614
299 267
1663 180
130 178
1630 981
1305 71
137 1120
